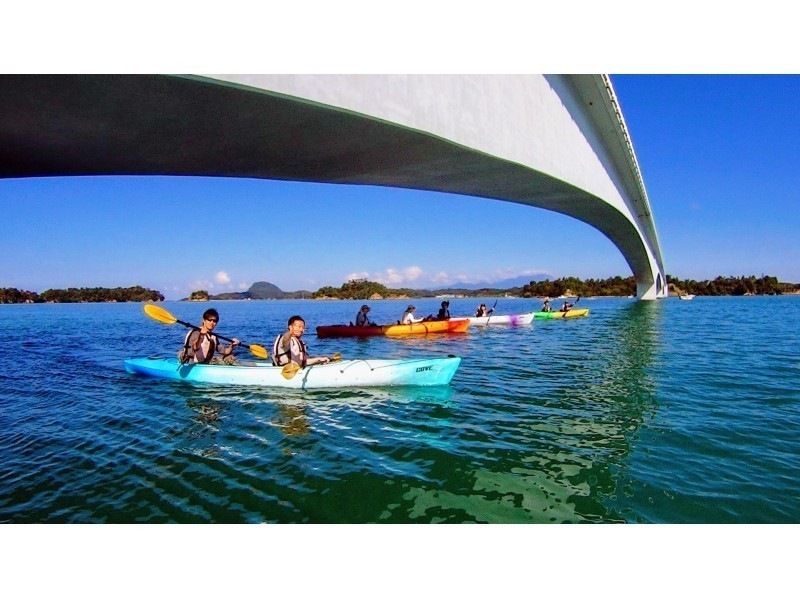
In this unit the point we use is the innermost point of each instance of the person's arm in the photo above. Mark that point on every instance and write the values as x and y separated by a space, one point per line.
229 349
195 339
315 360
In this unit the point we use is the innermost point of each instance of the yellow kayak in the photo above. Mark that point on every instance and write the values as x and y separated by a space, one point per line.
432 326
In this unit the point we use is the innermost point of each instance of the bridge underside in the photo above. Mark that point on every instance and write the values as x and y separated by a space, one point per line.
160 125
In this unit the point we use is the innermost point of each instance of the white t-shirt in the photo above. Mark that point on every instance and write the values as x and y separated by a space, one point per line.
408 318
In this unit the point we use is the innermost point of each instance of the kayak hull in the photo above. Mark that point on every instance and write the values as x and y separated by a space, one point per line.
338 374
557 315
453 325
505 320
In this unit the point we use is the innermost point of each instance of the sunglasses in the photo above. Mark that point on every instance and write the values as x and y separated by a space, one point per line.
212 320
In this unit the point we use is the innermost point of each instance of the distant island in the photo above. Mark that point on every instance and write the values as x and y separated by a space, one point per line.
366 290
258 290
83 295
610 287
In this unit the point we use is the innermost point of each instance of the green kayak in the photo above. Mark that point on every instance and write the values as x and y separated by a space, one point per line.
554 315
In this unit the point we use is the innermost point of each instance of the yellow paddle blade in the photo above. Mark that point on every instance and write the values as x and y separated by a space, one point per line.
289 370
159 314
259 351
336 357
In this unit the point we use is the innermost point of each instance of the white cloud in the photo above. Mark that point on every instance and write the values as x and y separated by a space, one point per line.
416 276
390 276
222 277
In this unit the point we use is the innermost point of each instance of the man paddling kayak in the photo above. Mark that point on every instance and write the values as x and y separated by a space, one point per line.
200 345
289 347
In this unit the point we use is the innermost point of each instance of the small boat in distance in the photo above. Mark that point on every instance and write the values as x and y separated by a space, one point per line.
505 320
557 315
686 297
453 325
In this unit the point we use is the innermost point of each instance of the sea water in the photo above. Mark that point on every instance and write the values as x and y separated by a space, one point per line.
664 411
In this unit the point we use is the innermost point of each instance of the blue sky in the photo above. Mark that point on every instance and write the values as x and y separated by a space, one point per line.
718 155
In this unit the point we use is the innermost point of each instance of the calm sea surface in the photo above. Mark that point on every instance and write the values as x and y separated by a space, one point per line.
667 411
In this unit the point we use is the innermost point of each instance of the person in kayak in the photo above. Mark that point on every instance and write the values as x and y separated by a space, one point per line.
546 305
362 319
566 306
444 311
290 347
483 311
409 317
200 345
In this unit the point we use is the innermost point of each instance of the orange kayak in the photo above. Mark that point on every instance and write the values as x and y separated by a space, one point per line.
453 325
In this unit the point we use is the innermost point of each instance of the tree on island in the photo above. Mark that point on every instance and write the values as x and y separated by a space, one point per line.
360 288
17 296
199 296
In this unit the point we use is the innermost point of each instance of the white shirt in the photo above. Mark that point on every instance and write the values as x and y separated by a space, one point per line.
408 318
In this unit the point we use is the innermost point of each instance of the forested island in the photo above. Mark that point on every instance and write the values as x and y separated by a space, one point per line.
83 295
608 287
365 289
617 286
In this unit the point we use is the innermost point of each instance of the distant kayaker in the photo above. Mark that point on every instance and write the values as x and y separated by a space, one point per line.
200 345
483 311
546 305
444 311
409 317
290 347
362 319
566 306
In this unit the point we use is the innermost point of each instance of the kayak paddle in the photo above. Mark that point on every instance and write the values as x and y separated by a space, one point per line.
491 312
291 368
159 314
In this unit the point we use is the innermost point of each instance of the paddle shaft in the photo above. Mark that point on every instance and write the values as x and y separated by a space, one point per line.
225 338
490 313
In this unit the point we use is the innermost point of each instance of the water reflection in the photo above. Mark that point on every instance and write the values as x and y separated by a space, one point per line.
555 424
612 394
292 419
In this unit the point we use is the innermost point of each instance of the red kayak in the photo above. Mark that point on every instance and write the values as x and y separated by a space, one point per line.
457 325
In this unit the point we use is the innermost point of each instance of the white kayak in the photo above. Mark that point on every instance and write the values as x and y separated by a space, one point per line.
507 320
336 374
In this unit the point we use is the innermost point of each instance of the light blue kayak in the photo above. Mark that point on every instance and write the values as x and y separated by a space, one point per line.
336 374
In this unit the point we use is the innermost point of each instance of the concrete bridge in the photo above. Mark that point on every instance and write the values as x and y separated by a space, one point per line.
557 142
